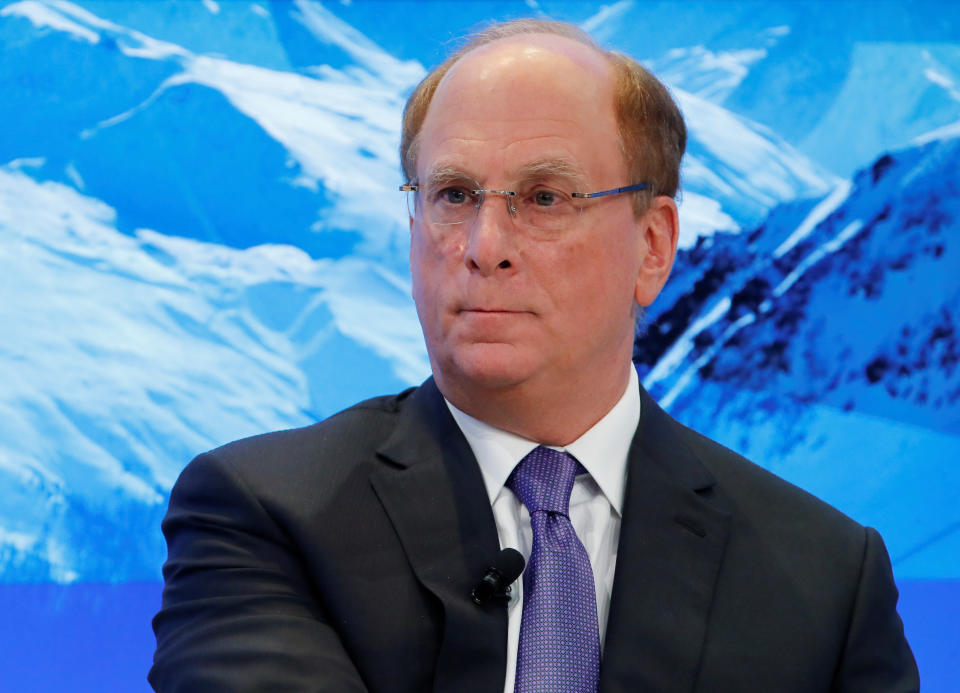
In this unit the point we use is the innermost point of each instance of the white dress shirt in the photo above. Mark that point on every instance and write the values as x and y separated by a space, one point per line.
596 501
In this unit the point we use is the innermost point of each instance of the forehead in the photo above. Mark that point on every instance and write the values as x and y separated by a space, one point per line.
520 100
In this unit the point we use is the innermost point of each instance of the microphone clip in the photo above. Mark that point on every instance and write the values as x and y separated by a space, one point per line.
496 582
490 587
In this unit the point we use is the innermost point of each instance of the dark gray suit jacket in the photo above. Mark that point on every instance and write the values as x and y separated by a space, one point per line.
340 557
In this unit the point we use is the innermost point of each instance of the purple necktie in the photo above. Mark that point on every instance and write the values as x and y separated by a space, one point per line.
559 639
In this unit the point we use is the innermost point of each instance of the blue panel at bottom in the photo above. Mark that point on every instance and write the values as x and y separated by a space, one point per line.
931 617
85 638
93 638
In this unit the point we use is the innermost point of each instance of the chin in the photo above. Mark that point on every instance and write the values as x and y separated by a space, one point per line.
491 366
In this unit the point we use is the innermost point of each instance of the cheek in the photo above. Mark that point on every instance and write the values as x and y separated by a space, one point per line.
601 276
420 273
432 262
433 249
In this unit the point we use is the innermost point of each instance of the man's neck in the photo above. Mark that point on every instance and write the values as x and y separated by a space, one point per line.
555 415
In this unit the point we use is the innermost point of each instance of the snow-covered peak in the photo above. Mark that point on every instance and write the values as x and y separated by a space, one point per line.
942 133
877 246
911 89
605 20
744 165
328 28
123 356
714 74
60 15
705 73
825 345
325 150
42 15
701 216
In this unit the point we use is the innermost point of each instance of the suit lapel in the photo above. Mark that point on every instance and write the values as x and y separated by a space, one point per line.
433 491
672 542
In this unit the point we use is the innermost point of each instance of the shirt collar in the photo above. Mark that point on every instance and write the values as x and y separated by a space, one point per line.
602 449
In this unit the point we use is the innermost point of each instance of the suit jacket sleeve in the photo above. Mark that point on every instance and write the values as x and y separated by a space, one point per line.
238 611
876 655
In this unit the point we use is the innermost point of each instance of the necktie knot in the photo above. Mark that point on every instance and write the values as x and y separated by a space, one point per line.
543 480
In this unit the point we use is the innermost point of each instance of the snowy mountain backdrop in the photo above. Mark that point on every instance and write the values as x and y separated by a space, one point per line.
201 239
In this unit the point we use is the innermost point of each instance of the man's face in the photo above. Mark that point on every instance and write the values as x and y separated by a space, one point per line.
500 307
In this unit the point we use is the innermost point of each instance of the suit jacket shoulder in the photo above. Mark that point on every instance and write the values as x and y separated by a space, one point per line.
752 491
730 578
338 556
314 464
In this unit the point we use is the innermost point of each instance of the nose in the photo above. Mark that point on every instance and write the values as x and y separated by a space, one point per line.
491 236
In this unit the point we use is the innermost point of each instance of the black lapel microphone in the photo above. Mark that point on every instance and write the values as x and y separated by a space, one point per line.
496 582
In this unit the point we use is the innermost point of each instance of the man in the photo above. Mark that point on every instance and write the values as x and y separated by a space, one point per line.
341 557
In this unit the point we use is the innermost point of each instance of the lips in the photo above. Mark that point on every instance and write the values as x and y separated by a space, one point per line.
500 304
492 311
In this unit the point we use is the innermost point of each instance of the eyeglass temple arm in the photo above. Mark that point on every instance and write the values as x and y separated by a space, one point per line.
613 191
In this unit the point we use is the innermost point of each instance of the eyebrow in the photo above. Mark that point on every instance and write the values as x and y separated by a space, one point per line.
448 174
552 168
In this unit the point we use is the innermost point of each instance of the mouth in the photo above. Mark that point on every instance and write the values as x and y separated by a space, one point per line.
492 311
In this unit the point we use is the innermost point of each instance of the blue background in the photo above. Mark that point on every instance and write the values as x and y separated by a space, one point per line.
201 239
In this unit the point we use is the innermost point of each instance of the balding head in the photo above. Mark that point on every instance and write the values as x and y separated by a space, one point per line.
649 125
554 75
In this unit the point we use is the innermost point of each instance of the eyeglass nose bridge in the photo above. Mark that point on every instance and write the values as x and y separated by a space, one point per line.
507 195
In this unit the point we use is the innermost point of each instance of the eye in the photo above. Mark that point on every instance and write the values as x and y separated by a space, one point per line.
546 198
453 196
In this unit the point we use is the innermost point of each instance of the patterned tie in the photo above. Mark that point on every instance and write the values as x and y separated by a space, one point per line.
559 640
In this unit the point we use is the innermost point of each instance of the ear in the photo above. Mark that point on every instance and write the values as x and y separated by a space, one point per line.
660 228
